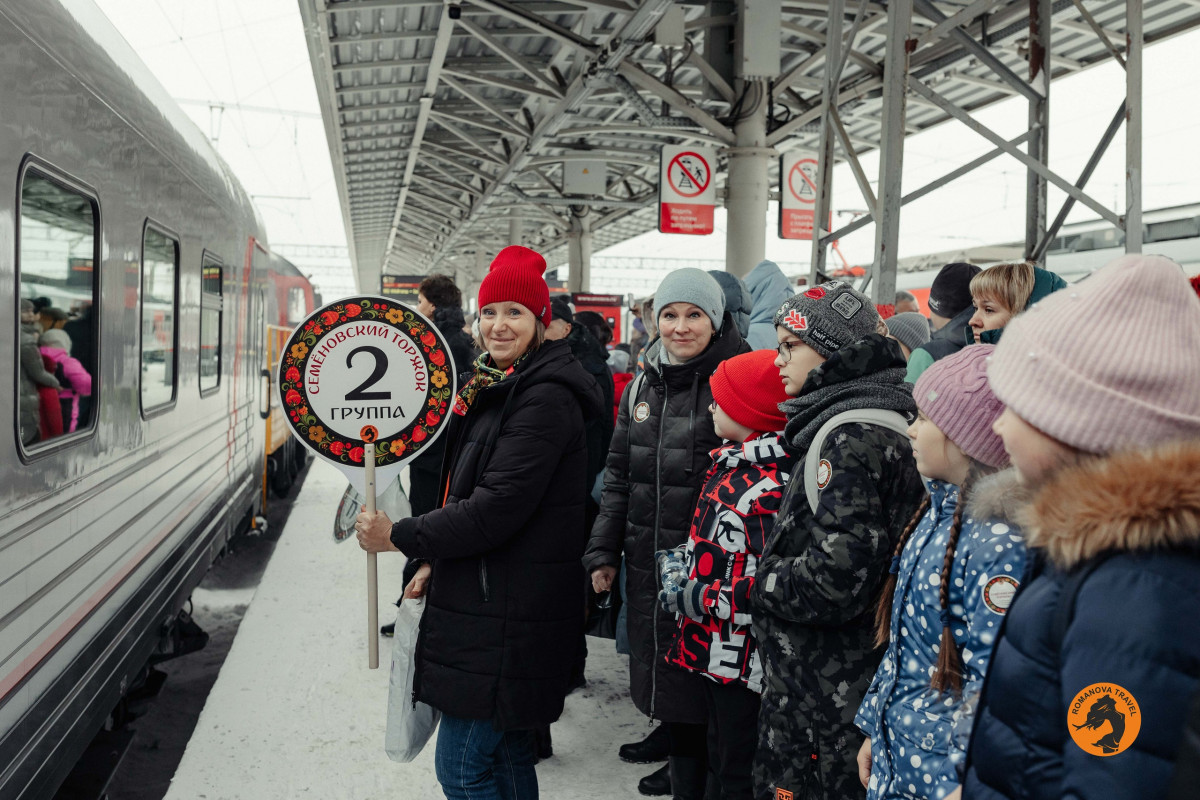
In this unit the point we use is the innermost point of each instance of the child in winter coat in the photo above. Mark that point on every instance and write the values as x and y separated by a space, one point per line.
817 584
1002 292
1090 682
706 581
55 346
952 577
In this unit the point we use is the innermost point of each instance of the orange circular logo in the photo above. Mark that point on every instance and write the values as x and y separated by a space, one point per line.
1104 719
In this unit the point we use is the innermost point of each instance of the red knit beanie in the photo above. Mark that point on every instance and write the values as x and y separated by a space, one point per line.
516 276
748 389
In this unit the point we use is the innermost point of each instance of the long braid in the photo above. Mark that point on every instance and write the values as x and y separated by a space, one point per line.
883 611
948 672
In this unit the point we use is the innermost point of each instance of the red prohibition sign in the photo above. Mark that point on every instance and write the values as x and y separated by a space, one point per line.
693 178
797 168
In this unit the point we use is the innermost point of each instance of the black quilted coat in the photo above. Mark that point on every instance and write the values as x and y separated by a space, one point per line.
501 626
654 472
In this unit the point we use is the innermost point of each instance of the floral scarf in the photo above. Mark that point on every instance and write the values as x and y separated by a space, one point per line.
485 375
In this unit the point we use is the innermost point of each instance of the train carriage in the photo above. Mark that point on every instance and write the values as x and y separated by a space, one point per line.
118 211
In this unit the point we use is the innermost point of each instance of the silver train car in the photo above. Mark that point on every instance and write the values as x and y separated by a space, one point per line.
122 226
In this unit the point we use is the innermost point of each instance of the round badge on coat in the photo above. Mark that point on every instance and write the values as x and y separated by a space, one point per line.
1104 719
998 593
641 412
824 473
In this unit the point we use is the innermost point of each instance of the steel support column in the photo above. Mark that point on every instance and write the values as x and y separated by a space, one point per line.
1133 127
1039 121
891 152
579 252
835 14
515 223
747 184
748 189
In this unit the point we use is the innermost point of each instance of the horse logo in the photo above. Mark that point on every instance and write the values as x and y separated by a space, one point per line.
1107 710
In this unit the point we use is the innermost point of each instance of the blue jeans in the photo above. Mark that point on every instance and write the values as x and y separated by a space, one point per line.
475 762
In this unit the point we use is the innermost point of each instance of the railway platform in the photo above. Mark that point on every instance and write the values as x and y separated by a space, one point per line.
295 712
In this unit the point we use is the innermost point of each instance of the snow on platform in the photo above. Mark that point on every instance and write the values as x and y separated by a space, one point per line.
295 713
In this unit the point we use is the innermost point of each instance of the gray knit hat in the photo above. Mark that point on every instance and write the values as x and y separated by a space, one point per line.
828 317
910 328
695 286
55 337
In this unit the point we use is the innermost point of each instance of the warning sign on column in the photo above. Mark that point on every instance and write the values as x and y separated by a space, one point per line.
687 193
797 194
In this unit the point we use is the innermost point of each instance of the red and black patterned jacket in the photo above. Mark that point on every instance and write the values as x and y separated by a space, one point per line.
734 514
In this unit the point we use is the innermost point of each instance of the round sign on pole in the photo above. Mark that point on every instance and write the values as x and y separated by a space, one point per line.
802 180
366 363
689 174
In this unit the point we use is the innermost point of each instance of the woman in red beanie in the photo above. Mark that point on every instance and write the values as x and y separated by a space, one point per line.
498 636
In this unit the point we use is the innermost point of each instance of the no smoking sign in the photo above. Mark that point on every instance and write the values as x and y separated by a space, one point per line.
363 376
798 195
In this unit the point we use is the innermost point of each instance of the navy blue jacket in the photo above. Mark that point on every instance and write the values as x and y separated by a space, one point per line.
1101 713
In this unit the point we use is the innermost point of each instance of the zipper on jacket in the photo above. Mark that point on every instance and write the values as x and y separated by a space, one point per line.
483 579
657 524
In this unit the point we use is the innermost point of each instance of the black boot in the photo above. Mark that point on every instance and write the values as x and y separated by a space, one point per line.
654 747
688 777
657 783
542 743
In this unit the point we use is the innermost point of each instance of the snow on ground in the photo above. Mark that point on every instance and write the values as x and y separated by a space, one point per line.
295 713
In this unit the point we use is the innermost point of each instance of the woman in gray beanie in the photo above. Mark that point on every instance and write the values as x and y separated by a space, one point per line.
656 464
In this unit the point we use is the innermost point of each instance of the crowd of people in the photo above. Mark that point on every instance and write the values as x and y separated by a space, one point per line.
55 385
860 552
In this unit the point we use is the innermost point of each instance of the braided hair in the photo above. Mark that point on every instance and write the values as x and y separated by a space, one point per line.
947 675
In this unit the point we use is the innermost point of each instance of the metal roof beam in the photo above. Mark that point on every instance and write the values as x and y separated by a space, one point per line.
501 130
446 178
644 80
442 121
440 47
616 49
454 150
486 105
342 91
539 25
511 57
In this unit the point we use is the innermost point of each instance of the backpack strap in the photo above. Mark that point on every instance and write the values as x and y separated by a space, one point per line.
870 416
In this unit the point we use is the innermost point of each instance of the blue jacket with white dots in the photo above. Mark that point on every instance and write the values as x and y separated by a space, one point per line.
919 735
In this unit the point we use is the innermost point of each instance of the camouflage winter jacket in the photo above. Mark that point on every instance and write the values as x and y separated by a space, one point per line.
813 605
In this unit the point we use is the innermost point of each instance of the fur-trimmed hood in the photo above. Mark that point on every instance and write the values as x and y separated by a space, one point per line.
1141 500
999 496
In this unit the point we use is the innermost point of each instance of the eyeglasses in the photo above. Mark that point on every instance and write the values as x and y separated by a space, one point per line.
785 350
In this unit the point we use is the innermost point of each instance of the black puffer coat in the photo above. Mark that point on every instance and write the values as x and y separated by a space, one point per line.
424 471
501 625
655 469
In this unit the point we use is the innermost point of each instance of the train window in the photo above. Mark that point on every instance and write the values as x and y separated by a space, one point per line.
297 310
211 273
57 338
160 310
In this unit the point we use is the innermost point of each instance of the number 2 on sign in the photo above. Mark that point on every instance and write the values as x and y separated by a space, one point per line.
377 374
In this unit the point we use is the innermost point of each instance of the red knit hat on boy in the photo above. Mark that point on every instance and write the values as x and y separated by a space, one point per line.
748 389
516 276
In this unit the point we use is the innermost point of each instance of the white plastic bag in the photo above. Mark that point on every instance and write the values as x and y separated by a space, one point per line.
409 724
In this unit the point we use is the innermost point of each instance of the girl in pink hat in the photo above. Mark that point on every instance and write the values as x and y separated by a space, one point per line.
1090 682
953 573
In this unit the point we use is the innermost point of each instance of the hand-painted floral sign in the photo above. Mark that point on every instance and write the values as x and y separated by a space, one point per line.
366 361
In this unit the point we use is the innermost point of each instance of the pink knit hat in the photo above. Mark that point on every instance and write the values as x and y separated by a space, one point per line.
953 392
1109 364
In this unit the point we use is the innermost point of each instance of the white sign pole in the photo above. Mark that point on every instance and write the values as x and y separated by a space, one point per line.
369 435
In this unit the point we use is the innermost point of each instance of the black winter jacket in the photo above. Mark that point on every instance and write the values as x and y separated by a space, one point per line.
501 625
1097 708
424 471
656 464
